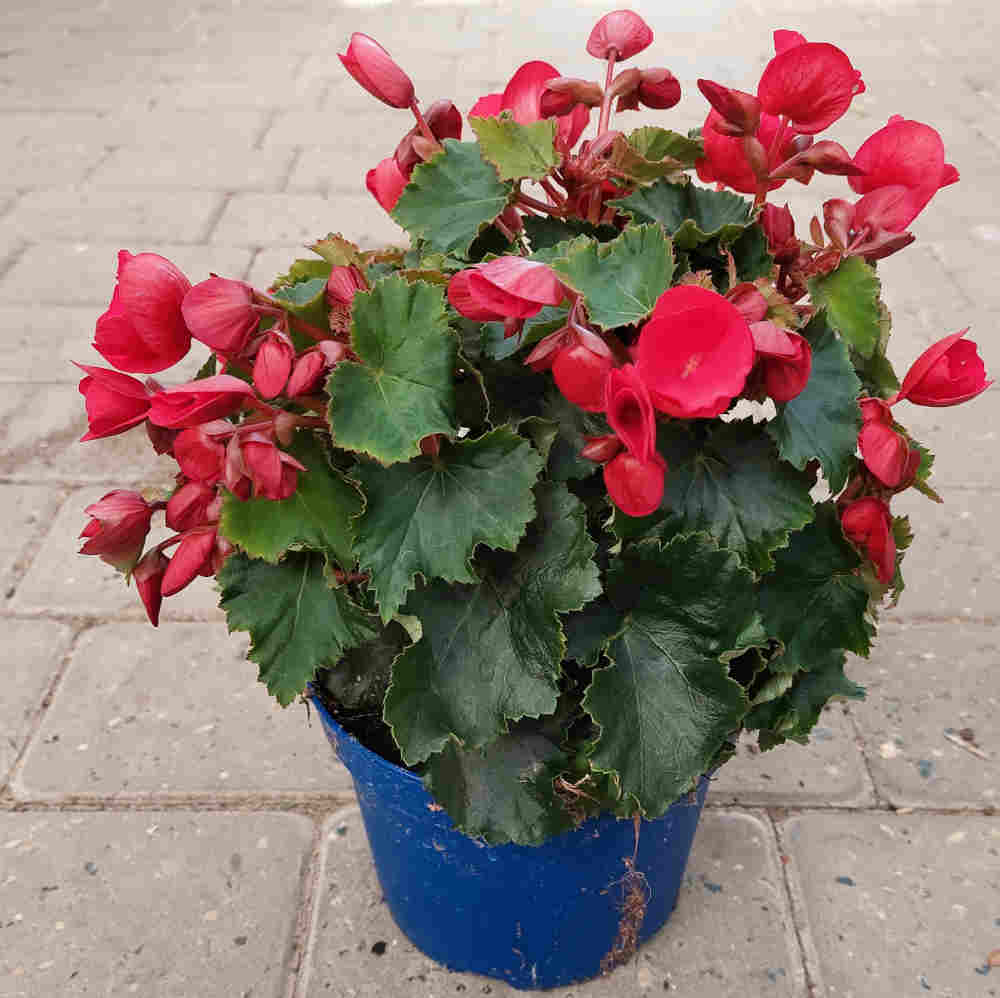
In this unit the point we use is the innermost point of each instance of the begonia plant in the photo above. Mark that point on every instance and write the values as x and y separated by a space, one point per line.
596 473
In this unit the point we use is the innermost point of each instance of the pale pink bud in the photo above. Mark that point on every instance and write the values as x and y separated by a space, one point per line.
220 313
621 33
377 72
273 364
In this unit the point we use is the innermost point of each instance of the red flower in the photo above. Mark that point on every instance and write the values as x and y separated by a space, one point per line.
143 330
621 32
376 71
221 314
810 83
199 401
785 360
444 121
635 486
191 506
868 523
738 112
385 182
658 89
726 163
115 402
273 364
193 557
905 154
199 454
630 412
311 366
509 287
694 353
273 472
949 372
886 453
779 227
580 371
148 576
118 528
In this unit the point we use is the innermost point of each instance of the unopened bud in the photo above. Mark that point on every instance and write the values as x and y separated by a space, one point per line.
741 111
601 449
824 156
284 426
659 89
838 220
756 156
563 93
376 71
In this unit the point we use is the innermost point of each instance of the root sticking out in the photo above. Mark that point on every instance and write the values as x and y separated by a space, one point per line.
635 892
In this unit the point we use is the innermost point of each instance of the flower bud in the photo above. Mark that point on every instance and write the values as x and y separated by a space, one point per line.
838 220
601 449
563 93
199 454
385 182
508 287
621 33
659 89
188 507
630 411
273 364
824 156
148 575
199 401
739 110
749 302
868 524
118 528
579 374
785 360
635 487
885 452
376 71
189 560
343 284
779 227
949 372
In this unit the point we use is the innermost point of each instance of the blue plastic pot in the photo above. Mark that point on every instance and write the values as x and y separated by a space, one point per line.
533 916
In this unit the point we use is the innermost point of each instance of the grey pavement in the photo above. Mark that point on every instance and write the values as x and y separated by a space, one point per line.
165 829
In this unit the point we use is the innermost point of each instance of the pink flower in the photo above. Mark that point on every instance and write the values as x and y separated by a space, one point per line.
630 412
192 506
221 314
779 227
622 33
118 528
725 161
311 366
273 364
785 360
509 287
947 373
143 330
199 401
376 71
868 524
385 182
695 353
810 83
273 472
343 284
635 486
193 557
115 402
148 575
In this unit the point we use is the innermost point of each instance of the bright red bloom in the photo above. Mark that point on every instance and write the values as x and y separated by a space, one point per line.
273 364
199 454
779 227
191 506
601 449
658 89
274 473
115 402
749 301
810 83
785 360
621 32
118 528
738 110
635 486
725 162
886 454
868 523
376 71
199 401
221 314
143 330
695 353
192 557
630 411
580 373
509 287
385 182
949 372
148 576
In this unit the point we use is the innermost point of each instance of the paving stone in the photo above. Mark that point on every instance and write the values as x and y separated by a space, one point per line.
156 217
59 579
39 344
42 164
351 140
901 906
926 684
25 511
826 771
185 92
60 125
951 568
203 128
83 273
731 938
174 709
209 167
274 260
283 219
32 653
167 904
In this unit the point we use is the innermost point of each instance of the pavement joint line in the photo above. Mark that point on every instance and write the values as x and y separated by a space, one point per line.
213 222
307 803
307 915
292 164
867 773
7 263
269 120
88 175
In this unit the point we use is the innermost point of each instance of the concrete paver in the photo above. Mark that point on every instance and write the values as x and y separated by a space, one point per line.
729 935
27 512
178 713
171 904
926 683
898 905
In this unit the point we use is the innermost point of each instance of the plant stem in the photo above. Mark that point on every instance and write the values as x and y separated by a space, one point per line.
529 202
602 124
425 129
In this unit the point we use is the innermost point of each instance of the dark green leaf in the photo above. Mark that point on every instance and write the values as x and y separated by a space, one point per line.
403 388
317 515
544 231
499 347
620 280
208 369
296 621
572 424
589 630
491 653
502 793
516 150
427 516
301 272
850 295
691 215
658 143
667 704
451 198
361 677
751 255
822 422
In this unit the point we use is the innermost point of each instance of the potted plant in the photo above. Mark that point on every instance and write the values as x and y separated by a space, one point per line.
546 508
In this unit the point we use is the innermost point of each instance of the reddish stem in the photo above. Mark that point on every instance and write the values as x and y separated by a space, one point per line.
422 122
530 202
602 124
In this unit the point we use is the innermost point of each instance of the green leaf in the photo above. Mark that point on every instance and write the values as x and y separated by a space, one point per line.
751 255
317 515
734 487
666 704
634 168
620 280
659 143
338 251
301 272
850 295
491 653
691 215
814 601
545 231
307 300
500 347
572 425
403 388
517 151
451 198
427 516
208 369
876 372
823 421
502 793
296 621
361 677
589 630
